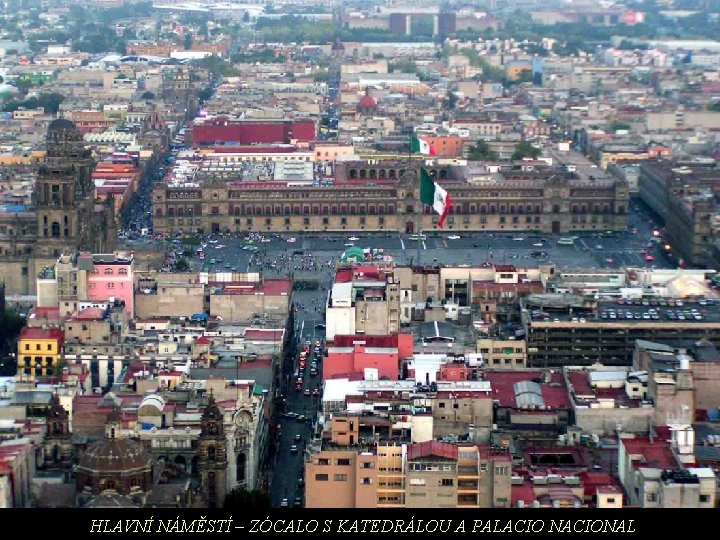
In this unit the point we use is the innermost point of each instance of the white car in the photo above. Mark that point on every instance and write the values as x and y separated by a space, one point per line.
213 241
518 239
291 240
538 244
353 239
349 244
453 237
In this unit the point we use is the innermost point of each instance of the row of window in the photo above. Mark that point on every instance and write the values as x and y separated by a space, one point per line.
110 271
38 347
336 477
341 461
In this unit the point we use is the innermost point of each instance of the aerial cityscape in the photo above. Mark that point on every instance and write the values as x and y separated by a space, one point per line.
360 254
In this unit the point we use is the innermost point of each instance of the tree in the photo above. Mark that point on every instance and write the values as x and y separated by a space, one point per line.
619 126
149 96
482 152
242 499
450 100
714 107
187 42
182 265
50 102
524 149
205 93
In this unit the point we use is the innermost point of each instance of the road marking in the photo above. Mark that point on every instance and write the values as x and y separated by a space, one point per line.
424 246
402 244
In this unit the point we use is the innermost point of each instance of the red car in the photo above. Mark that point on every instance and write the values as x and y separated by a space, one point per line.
302 363
315 392
298 387
649 258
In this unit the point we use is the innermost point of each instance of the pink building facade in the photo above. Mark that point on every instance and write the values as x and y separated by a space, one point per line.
111 279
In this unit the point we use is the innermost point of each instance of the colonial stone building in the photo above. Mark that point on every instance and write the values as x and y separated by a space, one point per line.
384 196
65 216
212 455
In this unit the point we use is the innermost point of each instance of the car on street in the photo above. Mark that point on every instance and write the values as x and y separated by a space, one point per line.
301 481
320 326
454 237
284 503
297 501
298 387
297 437
294 449
649 258
291 240
315 392
353 239
307 392
538 244
518 239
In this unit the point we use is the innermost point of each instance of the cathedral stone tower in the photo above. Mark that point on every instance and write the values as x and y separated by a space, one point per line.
212 455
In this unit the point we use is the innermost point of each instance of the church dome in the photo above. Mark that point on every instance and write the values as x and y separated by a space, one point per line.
367 102
115 456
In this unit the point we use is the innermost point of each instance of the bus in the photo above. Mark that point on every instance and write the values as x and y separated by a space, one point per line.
568 241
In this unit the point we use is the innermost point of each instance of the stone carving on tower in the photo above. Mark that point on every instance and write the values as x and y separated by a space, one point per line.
212 455
57 446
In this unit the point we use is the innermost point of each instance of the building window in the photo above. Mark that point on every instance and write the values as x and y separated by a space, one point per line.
483 467
366 481
446 482
323 461
501 470
321 477
340 478
611 500
703 499
123 271
652 497
343 462
108 271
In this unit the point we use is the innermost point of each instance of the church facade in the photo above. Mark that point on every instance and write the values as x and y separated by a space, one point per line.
65 217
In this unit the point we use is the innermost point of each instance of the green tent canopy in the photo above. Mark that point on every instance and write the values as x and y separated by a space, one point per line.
353 253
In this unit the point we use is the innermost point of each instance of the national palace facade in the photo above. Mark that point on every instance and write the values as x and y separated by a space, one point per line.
383 196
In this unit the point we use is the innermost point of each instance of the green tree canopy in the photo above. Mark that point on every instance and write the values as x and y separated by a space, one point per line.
481 151
524 150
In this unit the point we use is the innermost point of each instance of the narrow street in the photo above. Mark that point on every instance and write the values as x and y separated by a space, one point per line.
301 407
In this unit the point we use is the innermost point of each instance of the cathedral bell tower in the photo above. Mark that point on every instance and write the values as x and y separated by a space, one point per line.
212 455
58 447
64 192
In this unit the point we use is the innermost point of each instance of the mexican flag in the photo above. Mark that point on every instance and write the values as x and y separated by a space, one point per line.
419 145
433 195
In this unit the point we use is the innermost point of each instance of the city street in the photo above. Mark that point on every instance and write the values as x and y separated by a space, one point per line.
287 470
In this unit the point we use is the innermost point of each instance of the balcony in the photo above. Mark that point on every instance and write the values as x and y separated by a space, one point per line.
467 472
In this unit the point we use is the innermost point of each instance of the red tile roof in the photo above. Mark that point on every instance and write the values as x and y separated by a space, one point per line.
502 382
264 334
202 340
42 333
432 448
523 492
655 454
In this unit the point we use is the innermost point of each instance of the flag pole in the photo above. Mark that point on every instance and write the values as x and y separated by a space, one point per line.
419 207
